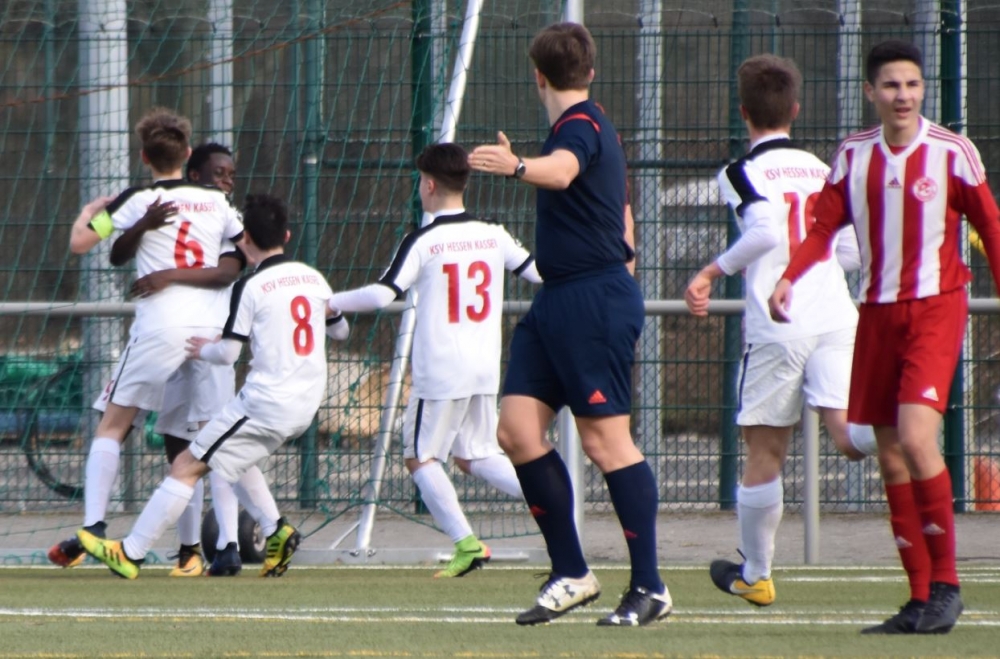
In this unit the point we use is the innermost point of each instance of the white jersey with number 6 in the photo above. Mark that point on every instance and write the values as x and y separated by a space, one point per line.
456 267
280 309
791 180
204 228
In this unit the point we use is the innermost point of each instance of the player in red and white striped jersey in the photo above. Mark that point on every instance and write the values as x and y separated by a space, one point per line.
905 185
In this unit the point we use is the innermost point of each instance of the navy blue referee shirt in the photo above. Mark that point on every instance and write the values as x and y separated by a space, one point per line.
582 228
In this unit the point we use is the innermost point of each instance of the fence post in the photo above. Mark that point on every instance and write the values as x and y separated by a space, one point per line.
951 117
312 147
732 334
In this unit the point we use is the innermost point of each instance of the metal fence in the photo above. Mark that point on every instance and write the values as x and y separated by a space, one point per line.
329 103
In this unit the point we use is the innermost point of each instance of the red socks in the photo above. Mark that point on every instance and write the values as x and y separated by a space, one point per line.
907 530
937 516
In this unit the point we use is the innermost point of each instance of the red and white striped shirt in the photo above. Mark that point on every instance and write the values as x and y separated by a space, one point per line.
906 205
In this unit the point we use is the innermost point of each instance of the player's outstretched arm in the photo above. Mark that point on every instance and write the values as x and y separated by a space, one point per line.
336 325
367 298
124 248
229 269
530 272
215 351
554 172
91 226
761 234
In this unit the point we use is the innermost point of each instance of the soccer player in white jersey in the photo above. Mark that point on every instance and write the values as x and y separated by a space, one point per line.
772 190
905 186
281 310
455 264
209 164
196 237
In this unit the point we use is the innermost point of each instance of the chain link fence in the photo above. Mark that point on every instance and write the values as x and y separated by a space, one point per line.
328 102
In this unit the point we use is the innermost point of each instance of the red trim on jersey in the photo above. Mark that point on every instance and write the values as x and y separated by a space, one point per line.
913 224
863 136
578 115
963 143
875 193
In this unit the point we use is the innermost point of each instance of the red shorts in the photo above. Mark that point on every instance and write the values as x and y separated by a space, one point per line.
906 352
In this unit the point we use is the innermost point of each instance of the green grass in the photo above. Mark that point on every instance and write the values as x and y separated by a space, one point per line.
342 612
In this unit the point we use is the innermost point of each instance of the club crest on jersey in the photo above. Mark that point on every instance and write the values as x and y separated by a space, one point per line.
925 189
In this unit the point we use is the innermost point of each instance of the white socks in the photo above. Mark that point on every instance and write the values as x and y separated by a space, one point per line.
252 491
226 508
498 471
759 509
99 478
162 512
189 524
441 500
863 438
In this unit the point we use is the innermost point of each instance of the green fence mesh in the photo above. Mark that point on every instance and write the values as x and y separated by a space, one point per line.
328 101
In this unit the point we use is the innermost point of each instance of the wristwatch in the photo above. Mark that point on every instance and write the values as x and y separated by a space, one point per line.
519 170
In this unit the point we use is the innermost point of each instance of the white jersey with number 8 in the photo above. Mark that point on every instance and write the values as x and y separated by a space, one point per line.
202 230
281 310
456 268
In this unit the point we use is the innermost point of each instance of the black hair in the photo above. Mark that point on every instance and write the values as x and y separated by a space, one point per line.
893 50
265 219
201 155
447 163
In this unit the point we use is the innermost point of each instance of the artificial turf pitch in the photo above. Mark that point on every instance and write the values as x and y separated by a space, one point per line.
403 612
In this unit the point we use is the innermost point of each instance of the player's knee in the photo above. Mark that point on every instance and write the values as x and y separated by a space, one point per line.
187 468
892 465
506 437
116 422
413 464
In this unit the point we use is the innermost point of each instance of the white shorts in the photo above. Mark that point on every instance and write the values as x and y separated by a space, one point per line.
147 363
232 442
465 428
192 397
774 378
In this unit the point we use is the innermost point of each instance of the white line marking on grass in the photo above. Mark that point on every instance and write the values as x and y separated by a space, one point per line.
965 572
966 578
369 615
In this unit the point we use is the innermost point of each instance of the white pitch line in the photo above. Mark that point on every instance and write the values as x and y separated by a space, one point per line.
506 620
434 614
986 569
966 578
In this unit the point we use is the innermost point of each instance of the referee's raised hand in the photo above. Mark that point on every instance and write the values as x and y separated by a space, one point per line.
494 158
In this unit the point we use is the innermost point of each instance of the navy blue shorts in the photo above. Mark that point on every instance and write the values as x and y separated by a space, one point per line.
576 345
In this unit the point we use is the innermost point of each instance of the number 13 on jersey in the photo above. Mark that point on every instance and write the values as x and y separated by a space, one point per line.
479 274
